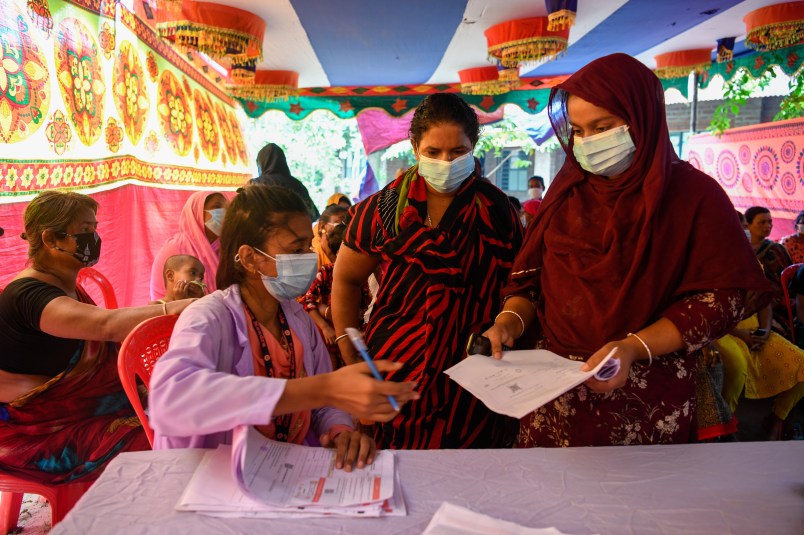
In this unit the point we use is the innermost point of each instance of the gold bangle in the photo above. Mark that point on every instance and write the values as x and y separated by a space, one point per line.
645 345
521 321
164 308
338 338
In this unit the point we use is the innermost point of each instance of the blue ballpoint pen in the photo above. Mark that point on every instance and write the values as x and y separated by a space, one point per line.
362 348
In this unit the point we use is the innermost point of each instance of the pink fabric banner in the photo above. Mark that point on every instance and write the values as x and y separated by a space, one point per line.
379 130
759 165
133 222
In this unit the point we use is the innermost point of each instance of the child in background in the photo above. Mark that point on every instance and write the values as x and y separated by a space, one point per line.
317 300
184 278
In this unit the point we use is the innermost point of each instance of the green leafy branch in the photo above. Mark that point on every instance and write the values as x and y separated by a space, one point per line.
793 104
735 95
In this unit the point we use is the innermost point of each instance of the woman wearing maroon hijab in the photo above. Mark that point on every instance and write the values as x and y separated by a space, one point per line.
627 251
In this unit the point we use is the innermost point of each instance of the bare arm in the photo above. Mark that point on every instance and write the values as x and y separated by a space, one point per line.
507 326
352 269
65 317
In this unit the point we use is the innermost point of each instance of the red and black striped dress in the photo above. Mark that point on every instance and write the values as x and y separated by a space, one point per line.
439 285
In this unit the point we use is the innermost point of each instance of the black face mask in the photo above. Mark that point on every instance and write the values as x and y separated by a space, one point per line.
88 246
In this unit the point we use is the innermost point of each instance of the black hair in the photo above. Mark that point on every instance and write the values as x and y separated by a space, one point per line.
256 211
754 211
537 178
441 108
335 237
330 211
800 218
517 204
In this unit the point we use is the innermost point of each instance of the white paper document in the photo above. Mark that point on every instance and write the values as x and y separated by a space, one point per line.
451 519
282 474
522 381
302 484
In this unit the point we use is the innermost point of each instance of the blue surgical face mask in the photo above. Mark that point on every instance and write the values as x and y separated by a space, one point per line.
215 221
609 153
294 274
444 176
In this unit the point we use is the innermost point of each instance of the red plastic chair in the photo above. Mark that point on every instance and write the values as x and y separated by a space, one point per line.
140 350
90 274
787 276
62 498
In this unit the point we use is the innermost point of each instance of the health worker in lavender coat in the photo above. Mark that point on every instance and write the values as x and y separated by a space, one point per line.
248 353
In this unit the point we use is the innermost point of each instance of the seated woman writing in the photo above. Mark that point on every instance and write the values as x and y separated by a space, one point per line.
63 412
248 354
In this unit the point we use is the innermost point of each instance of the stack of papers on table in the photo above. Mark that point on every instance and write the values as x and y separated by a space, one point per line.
258 477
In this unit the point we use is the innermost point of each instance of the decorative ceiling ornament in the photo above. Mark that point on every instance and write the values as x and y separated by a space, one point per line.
774 27
488 80
268 86
528 40
682 62
725 49
560 13
221 32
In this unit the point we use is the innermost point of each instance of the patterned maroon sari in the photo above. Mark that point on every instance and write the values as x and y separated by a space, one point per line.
440 285
71 426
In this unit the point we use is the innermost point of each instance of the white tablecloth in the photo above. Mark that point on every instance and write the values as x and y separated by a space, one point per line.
736 488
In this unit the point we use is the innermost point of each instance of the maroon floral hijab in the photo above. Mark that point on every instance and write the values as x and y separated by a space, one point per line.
607 257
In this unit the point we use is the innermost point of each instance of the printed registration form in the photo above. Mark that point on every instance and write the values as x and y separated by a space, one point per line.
282 474
522 381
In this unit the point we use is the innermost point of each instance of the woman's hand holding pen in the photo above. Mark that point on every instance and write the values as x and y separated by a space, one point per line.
355 391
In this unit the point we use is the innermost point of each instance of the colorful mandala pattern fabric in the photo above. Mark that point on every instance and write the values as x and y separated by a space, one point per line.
175 114
237 135
761 165
130 95
80 78
58 132
207 126
227 134
24 87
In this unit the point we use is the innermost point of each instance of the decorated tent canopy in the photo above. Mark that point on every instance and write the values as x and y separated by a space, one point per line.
137 101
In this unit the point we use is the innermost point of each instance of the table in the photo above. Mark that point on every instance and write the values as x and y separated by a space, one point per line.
753 487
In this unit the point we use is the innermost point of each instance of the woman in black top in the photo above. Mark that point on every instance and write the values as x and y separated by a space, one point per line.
63 412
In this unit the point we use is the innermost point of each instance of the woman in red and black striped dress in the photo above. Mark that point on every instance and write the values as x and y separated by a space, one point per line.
445 239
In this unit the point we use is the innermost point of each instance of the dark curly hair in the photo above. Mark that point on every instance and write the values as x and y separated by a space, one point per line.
441 108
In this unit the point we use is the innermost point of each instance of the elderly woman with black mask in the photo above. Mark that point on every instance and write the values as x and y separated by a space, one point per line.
63 412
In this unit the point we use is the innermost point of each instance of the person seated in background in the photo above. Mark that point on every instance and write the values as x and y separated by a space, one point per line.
184 278
332 215
248 354
774 259
64 411
318 299
273 169
535 187
199 227
766 364
797 291
340 199
794 243
517 204
530 207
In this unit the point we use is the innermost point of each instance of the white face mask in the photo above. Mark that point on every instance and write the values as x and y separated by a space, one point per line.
608 153
446 176
215 221
800 229
748 234
294 274
535 193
